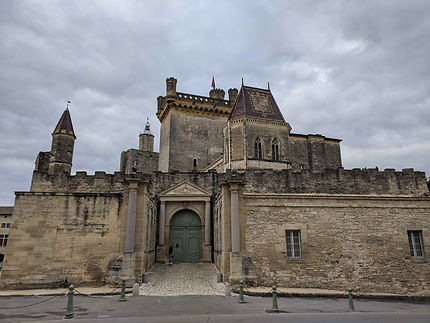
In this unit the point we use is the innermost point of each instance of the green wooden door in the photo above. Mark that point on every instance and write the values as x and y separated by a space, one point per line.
185 236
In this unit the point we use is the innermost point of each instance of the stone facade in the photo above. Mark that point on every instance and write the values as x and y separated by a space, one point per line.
5 225
346 240
268 206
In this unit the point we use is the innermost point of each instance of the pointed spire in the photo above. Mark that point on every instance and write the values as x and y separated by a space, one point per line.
242 81
64 125
147 130
268 86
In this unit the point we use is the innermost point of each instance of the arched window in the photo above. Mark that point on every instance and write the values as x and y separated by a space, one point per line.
257 148
275 149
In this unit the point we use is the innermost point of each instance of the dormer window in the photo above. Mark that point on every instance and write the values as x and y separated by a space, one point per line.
257 148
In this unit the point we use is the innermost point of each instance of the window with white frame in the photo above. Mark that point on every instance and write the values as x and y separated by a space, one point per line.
415 238
293 244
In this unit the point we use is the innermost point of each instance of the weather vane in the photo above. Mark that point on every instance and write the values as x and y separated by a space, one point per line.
68 102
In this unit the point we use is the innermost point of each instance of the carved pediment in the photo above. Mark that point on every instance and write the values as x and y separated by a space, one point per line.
185 189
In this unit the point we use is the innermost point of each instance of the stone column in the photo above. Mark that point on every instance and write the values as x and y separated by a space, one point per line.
161 252
207 223
161 223
131 218
128 257
235 228
207 248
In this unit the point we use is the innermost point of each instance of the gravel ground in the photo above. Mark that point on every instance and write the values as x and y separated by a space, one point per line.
182 279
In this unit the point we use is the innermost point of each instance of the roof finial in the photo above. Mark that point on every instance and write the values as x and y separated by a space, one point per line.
242 81
67 106
268 86
147 127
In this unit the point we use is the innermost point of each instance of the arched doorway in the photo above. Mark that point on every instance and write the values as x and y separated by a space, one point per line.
185 236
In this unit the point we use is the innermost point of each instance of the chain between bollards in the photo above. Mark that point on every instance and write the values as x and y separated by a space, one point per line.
122 297
274 300
351 307
241 299
69 314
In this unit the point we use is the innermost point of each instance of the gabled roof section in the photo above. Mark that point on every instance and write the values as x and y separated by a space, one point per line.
65 124
256 103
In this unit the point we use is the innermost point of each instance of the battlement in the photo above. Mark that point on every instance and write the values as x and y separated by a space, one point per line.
81 182
214 104
334 181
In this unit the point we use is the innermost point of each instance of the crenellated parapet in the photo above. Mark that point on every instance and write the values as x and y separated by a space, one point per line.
214 104
100 182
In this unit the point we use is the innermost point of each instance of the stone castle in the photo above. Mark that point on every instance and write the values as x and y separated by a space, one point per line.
232 185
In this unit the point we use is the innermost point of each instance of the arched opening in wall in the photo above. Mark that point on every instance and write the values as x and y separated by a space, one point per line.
185 236
275 149
195 163
257 148
1 260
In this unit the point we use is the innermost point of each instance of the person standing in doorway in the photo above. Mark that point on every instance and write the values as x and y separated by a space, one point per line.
170 256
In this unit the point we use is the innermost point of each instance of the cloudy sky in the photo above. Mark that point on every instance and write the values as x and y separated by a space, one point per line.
355 70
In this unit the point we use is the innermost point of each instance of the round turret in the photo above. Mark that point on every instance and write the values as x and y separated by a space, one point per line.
63 140
232 95
171 86
217 94
146 138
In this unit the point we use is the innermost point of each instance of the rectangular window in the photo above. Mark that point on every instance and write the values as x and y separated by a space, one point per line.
3 225
293 244
7 225
415 238
3 240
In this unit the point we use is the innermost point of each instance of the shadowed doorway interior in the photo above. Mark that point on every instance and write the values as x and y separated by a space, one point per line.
185 236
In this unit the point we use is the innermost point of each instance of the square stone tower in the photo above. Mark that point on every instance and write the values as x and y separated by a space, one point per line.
191 127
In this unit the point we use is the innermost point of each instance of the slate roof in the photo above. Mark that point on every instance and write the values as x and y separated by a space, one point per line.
256 103
64 125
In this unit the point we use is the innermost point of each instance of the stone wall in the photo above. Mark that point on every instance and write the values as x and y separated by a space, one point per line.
194 137
346 241
336 181
42 161
145 162
267 133
314 152
59 236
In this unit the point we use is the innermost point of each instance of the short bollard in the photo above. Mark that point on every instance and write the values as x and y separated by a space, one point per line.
274 300
136 289
122 297
227 289
351 307
69 314
241 299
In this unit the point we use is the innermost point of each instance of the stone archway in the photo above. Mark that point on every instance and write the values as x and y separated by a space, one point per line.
185 236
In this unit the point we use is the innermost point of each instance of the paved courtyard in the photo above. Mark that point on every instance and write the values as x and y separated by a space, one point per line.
182 279
189 292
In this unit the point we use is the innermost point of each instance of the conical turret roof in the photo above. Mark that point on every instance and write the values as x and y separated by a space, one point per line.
256 103
64 125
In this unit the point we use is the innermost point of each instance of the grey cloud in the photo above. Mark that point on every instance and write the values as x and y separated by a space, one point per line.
356 70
